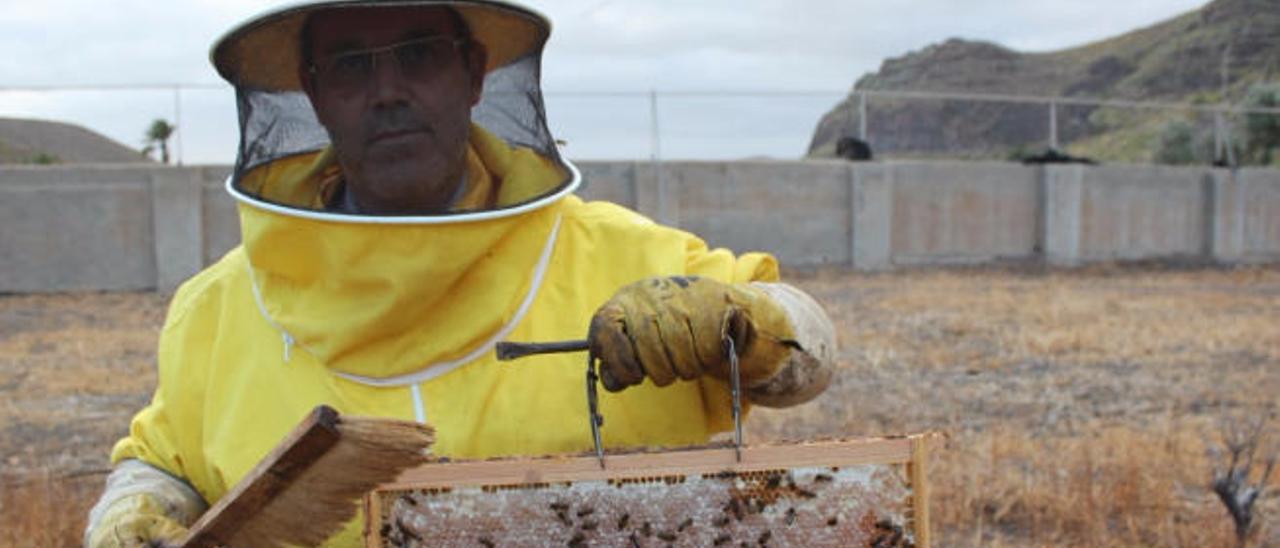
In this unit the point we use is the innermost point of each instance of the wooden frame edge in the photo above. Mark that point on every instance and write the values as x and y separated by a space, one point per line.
638 465
918 472
372 519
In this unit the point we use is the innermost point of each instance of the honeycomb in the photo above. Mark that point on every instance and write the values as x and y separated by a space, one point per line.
863 505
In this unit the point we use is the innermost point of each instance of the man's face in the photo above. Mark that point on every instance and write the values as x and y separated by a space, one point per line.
399 124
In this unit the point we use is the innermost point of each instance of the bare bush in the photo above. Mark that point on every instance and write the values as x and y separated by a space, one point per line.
1242 440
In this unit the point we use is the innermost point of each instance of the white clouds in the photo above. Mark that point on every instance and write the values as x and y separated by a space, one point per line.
615 45
125 41
804 44
66 41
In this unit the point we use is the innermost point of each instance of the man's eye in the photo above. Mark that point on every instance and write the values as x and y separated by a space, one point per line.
416 53
353 63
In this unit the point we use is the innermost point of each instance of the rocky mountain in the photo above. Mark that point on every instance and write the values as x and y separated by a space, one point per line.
24 141
1178 60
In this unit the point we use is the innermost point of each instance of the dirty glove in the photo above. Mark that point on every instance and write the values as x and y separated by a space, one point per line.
138 520
674 327
142 506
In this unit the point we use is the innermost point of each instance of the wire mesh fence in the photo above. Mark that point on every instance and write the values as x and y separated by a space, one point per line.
1014 127
735 124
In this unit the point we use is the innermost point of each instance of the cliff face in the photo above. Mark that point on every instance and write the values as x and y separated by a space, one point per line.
1180 59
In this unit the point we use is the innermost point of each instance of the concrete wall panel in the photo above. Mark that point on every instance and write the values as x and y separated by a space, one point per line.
766 206
75 236
871 216
970 212
1260 214
1142 212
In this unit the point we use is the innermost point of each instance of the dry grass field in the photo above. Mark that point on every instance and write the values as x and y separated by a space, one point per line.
1080 407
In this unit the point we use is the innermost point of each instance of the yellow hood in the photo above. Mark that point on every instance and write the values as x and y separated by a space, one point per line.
386 296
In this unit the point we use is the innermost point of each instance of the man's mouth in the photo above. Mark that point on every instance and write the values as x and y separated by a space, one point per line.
391 136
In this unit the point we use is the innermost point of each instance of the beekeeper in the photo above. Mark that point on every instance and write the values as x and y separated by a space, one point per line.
403 208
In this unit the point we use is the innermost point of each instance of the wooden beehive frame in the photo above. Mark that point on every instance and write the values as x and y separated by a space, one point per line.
910 451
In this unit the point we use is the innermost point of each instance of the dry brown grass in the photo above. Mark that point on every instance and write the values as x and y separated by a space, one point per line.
1078 405
41 509
73 369
1116 486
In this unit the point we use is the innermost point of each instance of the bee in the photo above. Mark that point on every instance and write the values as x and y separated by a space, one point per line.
764 537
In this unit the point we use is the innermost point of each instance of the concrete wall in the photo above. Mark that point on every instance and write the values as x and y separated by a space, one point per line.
111 227
144 227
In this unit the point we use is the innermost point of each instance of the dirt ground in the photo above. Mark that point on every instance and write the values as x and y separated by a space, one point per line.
1080 407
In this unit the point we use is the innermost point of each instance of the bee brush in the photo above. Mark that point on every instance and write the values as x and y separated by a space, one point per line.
308 487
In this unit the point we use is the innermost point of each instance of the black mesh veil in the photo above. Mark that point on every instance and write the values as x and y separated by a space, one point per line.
511 107
280 123
276 124
273 125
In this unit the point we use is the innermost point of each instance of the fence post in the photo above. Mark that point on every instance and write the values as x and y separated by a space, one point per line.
1062 192
1053 125
1217 137
656 157
177 123
862 117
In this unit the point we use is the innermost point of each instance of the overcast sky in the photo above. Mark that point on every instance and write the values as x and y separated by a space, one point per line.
597 45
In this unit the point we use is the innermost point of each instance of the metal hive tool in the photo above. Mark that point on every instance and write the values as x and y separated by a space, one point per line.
596 420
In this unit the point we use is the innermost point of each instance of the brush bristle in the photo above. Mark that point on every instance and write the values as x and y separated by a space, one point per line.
371 451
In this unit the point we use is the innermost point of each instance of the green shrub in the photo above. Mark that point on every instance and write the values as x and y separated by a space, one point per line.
44 159
1262 130
1176 144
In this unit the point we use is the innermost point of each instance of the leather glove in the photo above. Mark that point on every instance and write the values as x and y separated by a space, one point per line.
674 327
134 521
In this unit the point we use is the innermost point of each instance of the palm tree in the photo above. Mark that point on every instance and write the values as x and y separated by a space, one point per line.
157 136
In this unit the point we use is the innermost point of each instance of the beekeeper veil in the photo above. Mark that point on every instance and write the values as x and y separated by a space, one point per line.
279 130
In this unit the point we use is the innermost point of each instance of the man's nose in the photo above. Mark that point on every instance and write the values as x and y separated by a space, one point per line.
387 82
